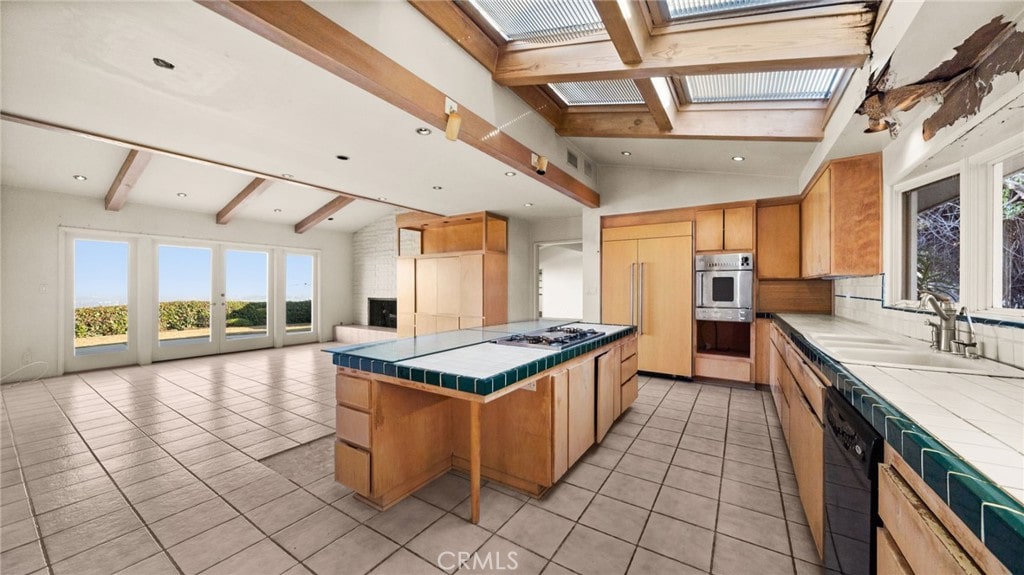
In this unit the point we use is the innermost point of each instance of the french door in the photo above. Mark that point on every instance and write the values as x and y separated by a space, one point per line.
137 299
212 299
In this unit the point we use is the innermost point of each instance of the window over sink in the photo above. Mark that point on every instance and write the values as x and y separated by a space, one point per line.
932 240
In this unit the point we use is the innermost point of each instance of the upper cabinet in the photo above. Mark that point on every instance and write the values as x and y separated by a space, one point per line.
728 229
841 219
459 278
778 241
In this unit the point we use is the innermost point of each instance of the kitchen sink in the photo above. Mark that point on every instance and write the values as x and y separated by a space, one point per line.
854 340
919 359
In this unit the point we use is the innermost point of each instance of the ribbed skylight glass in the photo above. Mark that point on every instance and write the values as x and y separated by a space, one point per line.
763 86
695 8
598 92
542 21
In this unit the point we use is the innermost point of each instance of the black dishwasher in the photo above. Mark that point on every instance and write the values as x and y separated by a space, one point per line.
852 452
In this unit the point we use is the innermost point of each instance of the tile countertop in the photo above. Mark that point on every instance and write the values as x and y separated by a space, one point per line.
962 433
466 360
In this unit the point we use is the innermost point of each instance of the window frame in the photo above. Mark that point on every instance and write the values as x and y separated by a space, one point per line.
980 249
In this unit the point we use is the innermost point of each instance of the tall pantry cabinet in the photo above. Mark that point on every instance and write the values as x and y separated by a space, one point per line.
647 281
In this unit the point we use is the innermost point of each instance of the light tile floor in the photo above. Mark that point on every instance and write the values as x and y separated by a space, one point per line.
152 470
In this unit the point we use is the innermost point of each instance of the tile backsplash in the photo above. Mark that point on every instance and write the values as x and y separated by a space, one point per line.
861 299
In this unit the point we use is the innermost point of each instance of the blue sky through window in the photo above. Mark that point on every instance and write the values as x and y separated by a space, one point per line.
101 273
184 273
298 277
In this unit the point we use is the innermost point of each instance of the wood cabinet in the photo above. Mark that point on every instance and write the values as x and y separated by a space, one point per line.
841 219
442 291
730 229
609 394
647 281
889 560
778 242
582 399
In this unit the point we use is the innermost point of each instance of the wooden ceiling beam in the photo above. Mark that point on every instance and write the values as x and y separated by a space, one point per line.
131 170
770 124
253 189
327 210
833 41
458 26
302 30
659 101
624 24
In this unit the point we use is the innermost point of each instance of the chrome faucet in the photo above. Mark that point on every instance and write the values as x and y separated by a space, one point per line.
944 332
966 344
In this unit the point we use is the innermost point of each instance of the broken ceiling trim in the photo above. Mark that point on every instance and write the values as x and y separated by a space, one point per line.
302 30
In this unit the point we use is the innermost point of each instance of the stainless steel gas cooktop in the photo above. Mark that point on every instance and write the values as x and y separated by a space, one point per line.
554 338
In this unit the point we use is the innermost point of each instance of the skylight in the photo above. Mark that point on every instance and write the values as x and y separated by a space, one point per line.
598 92
542 21
763 86
698 8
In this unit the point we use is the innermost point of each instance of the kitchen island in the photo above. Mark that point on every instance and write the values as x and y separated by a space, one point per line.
483 400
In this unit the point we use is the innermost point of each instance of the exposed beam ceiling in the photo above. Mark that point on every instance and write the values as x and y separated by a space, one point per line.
131 171
835 41
627 34
302 30
255 188
723 123
181 156
329 209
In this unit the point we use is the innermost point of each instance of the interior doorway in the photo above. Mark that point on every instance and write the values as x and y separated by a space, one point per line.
560 280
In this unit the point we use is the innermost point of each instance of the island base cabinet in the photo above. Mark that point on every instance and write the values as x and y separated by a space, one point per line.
581 410
889 560
630 391
352 468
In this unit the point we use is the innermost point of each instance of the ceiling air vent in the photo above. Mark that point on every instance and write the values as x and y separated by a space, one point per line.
573 160
588 168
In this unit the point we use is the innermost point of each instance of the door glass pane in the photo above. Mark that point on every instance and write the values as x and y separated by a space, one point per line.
101 296
1013 233
245 279
932 222
184 288
298 293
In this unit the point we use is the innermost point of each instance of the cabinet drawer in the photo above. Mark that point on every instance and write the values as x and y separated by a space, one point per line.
353 426
889 560
352 468
629 347
921 538
628 368
806 380
352 391
629 392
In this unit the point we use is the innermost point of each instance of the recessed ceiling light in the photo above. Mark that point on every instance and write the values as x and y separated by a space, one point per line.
330 219
382 199
510 174
182 195
424 131
738 158
437 187
626 153
287 176
80 177
341 157
160 62
529 205
277 210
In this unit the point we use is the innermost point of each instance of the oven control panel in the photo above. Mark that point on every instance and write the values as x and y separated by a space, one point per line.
724 262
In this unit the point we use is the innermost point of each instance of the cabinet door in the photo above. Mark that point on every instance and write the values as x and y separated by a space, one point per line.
471 285
739 228
406 273
710 225
426 286
778 242
665 296
560 433
608 383
426 323
808 463
446 323
815 232
581 410
448 286
618 282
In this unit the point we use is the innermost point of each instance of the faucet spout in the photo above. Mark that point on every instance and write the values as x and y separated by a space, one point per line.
944 308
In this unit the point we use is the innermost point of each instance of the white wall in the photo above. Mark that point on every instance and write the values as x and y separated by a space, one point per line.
627 190
563 281
30 232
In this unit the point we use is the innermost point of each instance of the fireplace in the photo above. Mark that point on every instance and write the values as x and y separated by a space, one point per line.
382 312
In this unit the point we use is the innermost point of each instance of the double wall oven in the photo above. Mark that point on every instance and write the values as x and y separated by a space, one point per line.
725 287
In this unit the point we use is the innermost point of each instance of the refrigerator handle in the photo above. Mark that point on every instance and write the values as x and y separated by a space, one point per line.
641 303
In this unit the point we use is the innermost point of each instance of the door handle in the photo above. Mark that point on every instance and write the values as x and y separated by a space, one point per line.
632 298
641 298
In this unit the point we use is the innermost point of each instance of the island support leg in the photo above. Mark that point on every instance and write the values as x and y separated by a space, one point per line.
474 460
